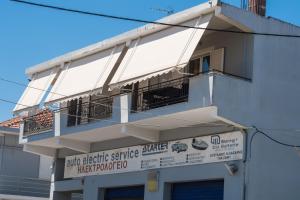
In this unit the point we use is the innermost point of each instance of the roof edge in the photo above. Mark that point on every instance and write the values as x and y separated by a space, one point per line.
9 131
147 29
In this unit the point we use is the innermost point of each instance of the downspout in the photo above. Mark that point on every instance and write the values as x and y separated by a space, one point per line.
245 167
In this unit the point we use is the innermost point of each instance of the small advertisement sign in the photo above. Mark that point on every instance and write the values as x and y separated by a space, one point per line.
191 151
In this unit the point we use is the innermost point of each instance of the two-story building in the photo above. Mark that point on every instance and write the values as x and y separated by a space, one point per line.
203 104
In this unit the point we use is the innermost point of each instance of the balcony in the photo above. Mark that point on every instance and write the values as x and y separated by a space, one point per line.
143 113
78 116
170 98
38 123
90 119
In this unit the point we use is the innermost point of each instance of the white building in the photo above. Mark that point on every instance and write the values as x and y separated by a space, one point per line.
167 112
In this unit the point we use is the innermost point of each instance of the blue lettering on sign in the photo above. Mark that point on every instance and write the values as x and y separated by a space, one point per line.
215 139
157 148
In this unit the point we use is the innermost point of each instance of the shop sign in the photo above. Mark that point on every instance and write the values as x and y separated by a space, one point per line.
191 151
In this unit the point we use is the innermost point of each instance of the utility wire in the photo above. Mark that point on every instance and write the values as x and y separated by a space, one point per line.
96 119
118 107
131 19
150 125
270 138
94 103
11 102
28 86
275 140
165 24
148 21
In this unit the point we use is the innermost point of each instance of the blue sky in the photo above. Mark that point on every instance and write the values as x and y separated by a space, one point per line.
30 35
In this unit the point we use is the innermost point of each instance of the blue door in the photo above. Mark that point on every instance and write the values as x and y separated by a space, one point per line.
207 190
125 193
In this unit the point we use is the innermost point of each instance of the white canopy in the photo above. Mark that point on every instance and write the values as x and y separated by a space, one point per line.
159 52
36 89
84 75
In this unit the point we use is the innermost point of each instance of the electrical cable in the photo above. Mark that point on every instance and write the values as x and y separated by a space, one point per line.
275 140
165 24
96 103
11 102
118 107
27 86
148 125
250 143
132 19
268 137
149 21
151 125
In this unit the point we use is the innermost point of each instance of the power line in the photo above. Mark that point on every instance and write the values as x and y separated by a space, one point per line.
11 102
148 21
151 125
91 118
95 103
275 140
28 86
157 23
202 125
118 107
268 137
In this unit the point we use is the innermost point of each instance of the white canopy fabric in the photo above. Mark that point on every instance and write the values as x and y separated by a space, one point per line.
82 76
159 52
36 89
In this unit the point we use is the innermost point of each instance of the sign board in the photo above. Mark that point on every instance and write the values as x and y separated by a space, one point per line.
191 151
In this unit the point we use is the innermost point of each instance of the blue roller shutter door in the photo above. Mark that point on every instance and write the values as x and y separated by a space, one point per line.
135 193
208 190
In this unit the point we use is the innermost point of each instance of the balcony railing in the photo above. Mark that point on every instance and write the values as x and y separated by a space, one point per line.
84 112
161 94
100 108
40 122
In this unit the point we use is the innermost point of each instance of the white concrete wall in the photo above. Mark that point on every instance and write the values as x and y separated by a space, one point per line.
45 167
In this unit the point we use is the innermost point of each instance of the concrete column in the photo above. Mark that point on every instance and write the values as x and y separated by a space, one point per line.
153 195
90 194
160 194
90 189
56 175
58 169
61 196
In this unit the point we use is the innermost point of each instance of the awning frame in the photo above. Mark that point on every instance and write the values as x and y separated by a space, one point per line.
117 83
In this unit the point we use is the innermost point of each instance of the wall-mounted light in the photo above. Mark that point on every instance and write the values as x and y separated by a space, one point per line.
232 168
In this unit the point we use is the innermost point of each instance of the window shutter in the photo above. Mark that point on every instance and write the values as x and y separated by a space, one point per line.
135 96
217 59
79 111
72 112
85 110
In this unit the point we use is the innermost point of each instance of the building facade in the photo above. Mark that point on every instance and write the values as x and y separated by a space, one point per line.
172 112
23 175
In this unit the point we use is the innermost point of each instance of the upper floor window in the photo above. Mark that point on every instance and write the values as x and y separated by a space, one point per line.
205 61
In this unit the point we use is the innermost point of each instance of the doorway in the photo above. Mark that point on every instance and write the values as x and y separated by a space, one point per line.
125 193
200 190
